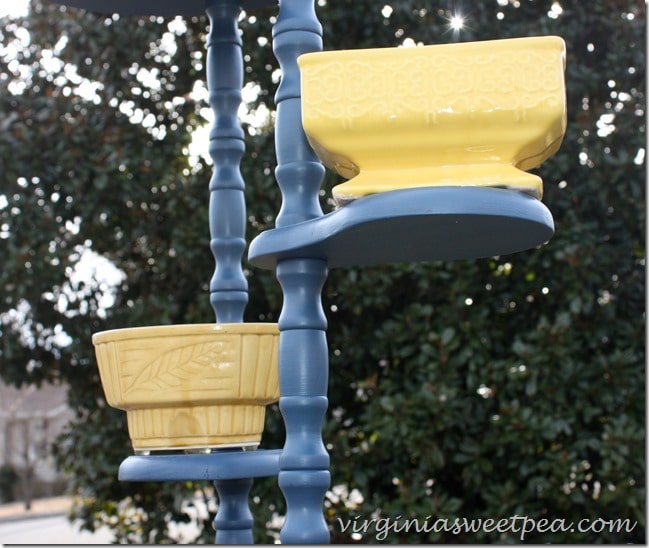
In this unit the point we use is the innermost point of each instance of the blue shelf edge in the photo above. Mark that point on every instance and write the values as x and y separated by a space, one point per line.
221 465
412 225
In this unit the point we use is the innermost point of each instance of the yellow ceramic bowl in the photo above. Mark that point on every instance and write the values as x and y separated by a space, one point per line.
191 386
477 114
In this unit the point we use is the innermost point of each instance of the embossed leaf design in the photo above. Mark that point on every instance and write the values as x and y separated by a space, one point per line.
175 367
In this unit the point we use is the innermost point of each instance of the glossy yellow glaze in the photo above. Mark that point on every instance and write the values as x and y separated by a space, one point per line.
477 114
191 386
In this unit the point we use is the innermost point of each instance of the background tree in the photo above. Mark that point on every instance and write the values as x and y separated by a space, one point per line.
489 388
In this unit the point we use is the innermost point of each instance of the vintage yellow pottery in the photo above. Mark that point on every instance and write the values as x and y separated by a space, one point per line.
477 114
191 386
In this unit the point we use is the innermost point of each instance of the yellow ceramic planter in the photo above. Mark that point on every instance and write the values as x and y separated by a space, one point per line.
191 386
477 114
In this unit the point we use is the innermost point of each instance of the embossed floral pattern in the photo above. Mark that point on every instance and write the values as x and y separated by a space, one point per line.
421 82
175 368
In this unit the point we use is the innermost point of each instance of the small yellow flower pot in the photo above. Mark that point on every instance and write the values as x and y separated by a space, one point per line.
476 114
191 386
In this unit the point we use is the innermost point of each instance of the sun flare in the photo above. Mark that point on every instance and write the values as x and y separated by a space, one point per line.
456 22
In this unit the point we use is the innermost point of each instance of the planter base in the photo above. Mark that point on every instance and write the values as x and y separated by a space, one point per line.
487 175
196 427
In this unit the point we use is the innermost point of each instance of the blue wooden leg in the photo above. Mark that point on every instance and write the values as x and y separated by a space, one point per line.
227 221
227 208
303 375
303 359
299 172
233 521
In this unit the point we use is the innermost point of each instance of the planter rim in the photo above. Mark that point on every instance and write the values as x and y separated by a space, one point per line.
502 44
184 330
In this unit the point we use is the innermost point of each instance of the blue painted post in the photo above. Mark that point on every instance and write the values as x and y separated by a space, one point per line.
227 208
299 173
233 521
303 359
303 376
227 221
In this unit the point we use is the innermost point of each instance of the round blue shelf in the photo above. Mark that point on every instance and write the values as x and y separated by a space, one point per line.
166 8
222 465
415 224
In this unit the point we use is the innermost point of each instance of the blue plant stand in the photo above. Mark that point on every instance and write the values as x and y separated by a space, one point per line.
232 472
418 224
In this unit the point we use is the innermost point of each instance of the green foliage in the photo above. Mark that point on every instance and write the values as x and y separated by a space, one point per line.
483 389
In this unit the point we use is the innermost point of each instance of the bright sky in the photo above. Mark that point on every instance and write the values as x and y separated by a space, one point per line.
13 7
